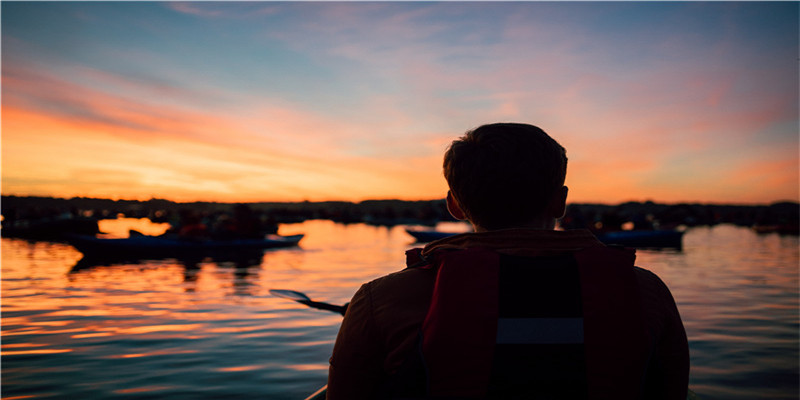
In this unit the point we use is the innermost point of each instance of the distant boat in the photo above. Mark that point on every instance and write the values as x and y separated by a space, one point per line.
783 229
158 246
636 239
643 239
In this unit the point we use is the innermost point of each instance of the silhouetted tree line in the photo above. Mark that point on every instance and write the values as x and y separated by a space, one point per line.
637 215
650 215
378 212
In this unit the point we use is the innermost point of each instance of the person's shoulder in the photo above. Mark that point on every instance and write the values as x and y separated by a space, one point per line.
655 295
399 294
649 279
402 279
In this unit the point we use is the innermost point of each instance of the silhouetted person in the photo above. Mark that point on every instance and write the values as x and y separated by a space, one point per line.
189 227
515 309
244 224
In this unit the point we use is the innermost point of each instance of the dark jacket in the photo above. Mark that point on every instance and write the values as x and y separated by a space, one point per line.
635 344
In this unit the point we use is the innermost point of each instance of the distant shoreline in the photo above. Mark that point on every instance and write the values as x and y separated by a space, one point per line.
202 203
394 212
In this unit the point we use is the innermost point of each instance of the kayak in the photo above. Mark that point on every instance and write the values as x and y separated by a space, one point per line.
637 239
322 392
143 245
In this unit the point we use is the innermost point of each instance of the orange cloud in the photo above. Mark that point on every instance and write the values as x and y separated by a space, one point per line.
66 139
772 179
53 155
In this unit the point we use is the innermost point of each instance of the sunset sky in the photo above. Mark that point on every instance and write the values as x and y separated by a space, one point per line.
267 101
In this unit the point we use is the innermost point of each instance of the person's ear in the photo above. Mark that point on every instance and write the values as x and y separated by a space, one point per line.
454 208
558 205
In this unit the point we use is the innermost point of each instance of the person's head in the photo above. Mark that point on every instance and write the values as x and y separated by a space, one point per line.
506 175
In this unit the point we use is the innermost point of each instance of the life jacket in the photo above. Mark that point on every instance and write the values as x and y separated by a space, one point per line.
505 327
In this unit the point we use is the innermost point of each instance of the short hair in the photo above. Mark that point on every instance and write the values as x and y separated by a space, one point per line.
505 173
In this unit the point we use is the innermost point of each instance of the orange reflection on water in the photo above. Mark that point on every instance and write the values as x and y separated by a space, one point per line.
37 329
234 329
121 227
42 351
50 323
91 335
81 313
307 367
336 259
159 328
153 353
21 345
242 368
30 331
142 389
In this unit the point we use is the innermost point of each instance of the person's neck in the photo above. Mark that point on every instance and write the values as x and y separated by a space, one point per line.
545 224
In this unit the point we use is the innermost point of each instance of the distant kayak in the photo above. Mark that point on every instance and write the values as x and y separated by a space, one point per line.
644 239
782 229
637 239
141 245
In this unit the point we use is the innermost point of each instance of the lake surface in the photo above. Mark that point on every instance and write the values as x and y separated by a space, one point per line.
166 329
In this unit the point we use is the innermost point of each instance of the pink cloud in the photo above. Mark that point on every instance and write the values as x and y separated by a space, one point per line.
216 10
193 9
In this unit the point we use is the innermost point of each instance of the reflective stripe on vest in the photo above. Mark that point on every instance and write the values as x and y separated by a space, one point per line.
539 330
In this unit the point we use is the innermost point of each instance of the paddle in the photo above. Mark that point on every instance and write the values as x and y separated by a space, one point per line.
303 299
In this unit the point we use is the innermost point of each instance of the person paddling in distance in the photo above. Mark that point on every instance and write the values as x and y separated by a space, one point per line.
515 309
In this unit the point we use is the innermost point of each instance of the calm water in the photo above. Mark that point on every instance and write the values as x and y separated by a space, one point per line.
165 329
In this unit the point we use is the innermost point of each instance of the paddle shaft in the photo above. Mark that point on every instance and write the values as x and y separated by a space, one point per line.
324 306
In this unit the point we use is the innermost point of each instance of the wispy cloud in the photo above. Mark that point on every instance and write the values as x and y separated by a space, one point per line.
224 10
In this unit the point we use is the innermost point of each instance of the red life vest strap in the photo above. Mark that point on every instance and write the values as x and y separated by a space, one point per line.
463 315
616 342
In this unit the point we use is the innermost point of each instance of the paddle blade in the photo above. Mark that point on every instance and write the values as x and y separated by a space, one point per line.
290 294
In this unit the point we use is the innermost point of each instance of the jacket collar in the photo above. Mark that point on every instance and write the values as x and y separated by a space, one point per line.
518 241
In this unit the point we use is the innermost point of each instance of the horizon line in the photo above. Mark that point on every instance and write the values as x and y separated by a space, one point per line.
695 202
